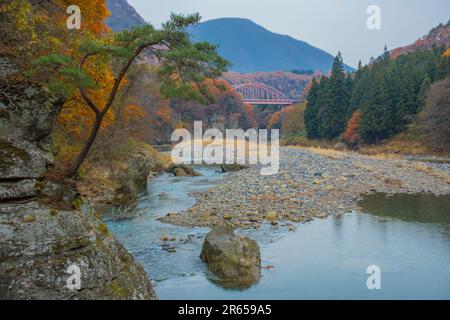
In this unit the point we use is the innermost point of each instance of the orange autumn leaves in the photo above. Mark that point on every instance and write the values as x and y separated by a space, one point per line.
76 118
351 135
447 53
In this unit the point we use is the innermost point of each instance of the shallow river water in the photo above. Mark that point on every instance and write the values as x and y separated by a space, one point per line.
408 237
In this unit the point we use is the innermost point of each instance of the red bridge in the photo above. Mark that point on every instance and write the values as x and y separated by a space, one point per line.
262 94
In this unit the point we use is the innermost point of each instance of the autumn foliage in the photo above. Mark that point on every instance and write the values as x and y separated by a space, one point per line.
351 135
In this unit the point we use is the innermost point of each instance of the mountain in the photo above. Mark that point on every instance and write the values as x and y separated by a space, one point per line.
437 36
252 48
123 15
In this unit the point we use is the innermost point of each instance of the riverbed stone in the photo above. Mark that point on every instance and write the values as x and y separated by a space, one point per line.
234 261
232 167
182 171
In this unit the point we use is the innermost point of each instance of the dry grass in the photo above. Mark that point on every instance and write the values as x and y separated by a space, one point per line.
329 153
249 150
404 143
431 171
385 156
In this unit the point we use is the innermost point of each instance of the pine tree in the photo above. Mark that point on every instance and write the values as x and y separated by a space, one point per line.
422 97
376 122
407 104
184 66
311 111
334 109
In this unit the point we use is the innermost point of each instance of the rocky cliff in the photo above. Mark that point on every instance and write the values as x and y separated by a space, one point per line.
48 253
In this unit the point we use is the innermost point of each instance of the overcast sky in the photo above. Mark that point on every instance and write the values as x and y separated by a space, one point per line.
331 25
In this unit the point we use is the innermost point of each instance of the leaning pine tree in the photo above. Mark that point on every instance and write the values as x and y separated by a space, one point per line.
183 67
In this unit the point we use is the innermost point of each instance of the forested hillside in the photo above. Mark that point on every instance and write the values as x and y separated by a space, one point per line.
376 102
438 36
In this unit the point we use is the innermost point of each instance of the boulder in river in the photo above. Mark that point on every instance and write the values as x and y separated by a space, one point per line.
232 167
182 170
235 261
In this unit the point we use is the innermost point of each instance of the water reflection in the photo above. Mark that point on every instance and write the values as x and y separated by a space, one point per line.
419 208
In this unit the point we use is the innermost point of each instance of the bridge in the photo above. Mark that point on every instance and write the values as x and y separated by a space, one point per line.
262 94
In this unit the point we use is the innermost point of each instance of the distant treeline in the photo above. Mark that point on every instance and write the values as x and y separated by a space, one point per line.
382 97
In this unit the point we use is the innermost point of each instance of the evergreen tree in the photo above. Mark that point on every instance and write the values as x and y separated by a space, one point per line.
311 111
333 109
388 92
421 98
376 122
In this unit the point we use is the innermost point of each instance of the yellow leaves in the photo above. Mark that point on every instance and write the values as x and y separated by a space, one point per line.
165 113
447 53
133 113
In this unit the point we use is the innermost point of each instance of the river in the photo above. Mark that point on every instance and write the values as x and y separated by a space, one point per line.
407 236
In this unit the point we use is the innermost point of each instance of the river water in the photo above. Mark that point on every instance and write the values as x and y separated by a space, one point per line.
407 236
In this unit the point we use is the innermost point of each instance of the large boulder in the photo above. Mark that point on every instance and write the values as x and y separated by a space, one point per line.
234 261
40 245
140 166
135 177
126 194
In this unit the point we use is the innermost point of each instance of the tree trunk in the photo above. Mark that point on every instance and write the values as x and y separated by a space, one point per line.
86 148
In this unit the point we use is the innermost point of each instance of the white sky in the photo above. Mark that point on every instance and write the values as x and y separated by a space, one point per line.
331 25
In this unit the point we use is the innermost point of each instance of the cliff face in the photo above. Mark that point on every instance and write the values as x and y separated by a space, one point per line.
37 243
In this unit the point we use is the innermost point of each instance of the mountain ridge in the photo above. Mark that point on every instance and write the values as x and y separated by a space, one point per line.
252 48
438 36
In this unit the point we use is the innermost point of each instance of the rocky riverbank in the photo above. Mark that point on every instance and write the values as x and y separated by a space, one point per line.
46 246
312 183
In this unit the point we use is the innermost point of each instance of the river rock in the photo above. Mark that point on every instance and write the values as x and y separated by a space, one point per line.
232 167
235 261
340 146
126 194
182 171
139 167
135 177
271 216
